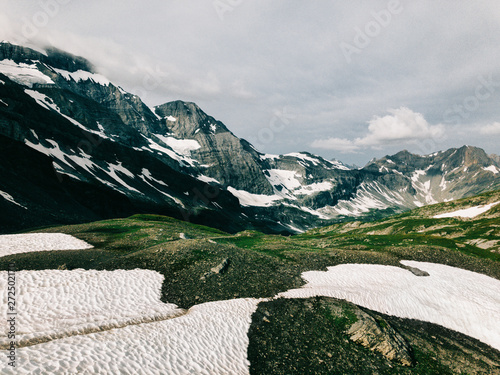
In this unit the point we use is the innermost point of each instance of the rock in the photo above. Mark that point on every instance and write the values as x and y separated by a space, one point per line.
416 271
221 267
226 158
380 337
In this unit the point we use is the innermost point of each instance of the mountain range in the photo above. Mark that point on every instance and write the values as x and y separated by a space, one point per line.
76 148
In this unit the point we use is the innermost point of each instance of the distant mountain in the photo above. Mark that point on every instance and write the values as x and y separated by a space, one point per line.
95 151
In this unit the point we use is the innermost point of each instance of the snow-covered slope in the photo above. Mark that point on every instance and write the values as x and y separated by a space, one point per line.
211 338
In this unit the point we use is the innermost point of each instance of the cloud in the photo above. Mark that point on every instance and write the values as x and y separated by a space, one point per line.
402 126
491 129
337 144
256 59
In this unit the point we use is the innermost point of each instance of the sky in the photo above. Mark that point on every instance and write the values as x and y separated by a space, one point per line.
345 80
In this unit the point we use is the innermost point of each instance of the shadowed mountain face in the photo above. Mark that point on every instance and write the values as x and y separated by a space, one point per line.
80 133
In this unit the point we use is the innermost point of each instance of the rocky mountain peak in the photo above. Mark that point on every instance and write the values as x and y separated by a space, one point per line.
469 155
187 120
496 158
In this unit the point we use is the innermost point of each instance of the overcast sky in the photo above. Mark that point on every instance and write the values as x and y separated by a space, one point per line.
346 80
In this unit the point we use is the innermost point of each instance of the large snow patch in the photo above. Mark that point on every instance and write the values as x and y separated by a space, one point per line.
55 303
26 243
457 299
210 339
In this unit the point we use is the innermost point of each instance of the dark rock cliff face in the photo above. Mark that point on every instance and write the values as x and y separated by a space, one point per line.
89 136
230 160
45 197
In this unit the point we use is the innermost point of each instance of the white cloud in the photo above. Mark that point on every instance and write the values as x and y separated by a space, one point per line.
401 127
256 60
337 144
491 129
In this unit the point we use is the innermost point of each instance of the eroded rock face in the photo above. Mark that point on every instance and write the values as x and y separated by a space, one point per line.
228 159
379 336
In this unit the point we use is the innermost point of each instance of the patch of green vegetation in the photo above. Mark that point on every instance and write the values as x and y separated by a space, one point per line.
261 265
341 319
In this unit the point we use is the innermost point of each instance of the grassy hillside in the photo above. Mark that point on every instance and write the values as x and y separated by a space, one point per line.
202 264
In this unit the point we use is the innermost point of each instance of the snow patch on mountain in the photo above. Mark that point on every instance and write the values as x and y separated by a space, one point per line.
207 179
305 159
62 158
101 132
210 338
112 172
369 196
180 146
256 200
147 177
182 157
468 212
309 210
82 75
54 303
287 179
64 161
314 188
147 174
24 74
492 169
11 199
269 156
422 184
283 177
46 102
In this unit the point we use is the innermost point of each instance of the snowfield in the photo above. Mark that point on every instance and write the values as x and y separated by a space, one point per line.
23 74
461 300
25 243
468 212
249 199
55 303
210 339
111 322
